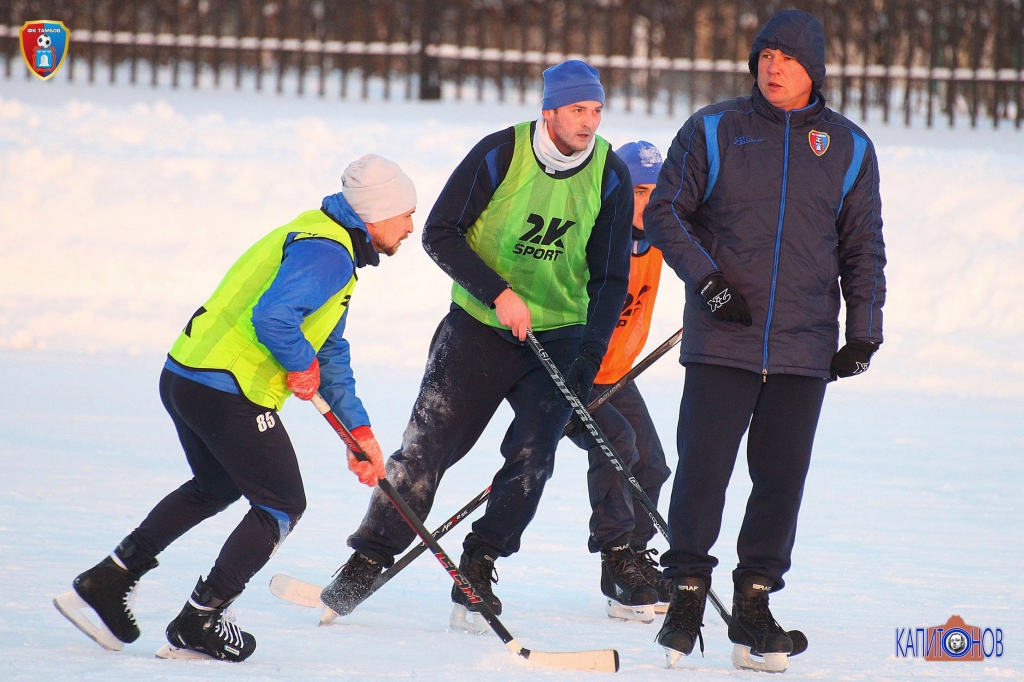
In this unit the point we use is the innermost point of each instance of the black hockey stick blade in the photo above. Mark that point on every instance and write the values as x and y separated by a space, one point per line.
606 447
603 660
799 642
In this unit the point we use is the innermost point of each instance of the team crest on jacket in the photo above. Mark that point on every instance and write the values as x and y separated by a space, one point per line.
44 44
819 142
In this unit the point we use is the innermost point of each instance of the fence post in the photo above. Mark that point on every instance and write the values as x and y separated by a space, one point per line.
430 66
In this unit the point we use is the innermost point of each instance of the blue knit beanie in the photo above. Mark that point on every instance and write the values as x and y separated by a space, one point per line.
798 34
643 160
570 82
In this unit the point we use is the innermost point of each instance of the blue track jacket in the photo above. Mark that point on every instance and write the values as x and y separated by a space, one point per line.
786 206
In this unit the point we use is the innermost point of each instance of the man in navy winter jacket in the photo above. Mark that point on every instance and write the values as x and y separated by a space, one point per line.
767 207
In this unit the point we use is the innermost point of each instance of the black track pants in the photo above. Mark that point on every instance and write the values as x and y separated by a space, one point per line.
718 405
471 369
234 447
617 517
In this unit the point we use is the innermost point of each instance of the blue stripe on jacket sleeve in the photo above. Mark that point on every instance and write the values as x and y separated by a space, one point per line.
860 146
492 167
714 155
675 213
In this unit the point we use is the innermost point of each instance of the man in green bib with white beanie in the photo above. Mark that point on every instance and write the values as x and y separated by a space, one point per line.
534 228
274 327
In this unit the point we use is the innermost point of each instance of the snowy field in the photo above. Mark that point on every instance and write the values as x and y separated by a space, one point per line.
120 209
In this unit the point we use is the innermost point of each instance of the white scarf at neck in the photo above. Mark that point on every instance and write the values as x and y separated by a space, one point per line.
554 160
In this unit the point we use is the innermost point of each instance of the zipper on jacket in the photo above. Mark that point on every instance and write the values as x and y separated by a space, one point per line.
778 247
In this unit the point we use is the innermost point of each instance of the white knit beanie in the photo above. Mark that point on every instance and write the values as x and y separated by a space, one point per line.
377 189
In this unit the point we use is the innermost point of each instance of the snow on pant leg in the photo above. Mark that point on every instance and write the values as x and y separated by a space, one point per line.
528 447
713 415
207 493
778 456
466 378
651 471
611 497
250 444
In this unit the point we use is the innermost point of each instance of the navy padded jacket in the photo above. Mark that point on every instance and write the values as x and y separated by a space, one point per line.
786 206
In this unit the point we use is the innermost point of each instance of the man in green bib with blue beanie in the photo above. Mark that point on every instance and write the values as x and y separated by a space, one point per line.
534 228
274 327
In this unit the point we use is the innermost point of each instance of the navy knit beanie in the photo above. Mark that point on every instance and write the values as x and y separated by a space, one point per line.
643 160
798 34
570 82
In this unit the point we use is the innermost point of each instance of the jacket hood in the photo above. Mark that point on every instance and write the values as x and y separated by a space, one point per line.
338 208
798 34
335 206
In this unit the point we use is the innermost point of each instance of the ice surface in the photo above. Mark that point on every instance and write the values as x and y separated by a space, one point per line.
120 208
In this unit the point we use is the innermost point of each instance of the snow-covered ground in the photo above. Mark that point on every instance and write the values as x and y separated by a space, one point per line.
120 209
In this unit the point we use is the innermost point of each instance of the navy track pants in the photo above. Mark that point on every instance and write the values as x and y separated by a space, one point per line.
718 405
470 370
234 448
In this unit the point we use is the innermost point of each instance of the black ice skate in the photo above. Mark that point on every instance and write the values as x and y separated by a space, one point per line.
204 629
630 595
350 588
108 588
479 570
649 567
761 643
683 620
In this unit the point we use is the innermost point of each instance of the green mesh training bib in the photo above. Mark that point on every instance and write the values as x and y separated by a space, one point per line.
534 233
221 334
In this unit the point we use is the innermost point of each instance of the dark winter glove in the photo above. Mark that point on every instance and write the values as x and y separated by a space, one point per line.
724 300
853 358
580 377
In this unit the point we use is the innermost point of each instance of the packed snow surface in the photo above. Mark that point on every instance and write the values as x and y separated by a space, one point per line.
121 208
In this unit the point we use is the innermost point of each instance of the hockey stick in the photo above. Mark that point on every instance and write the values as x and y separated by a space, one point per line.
412 554
602 441
604 660
799 639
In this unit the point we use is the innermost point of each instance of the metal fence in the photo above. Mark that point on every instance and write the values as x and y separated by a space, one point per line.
910 59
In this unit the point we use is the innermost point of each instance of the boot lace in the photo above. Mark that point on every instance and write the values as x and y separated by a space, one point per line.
626 568
227 630
359 570
481 574
686 613
128 601
755 610
648 565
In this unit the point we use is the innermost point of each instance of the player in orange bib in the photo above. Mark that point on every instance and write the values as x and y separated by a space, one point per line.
629 574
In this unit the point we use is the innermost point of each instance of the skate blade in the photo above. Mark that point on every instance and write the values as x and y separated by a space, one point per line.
744 659
167 652
643 614
328 616
672 657
71 606
460 620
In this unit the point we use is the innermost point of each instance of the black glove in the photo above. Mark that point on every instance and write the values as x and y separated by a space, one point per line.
580 377
724 300
853 358
574 429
